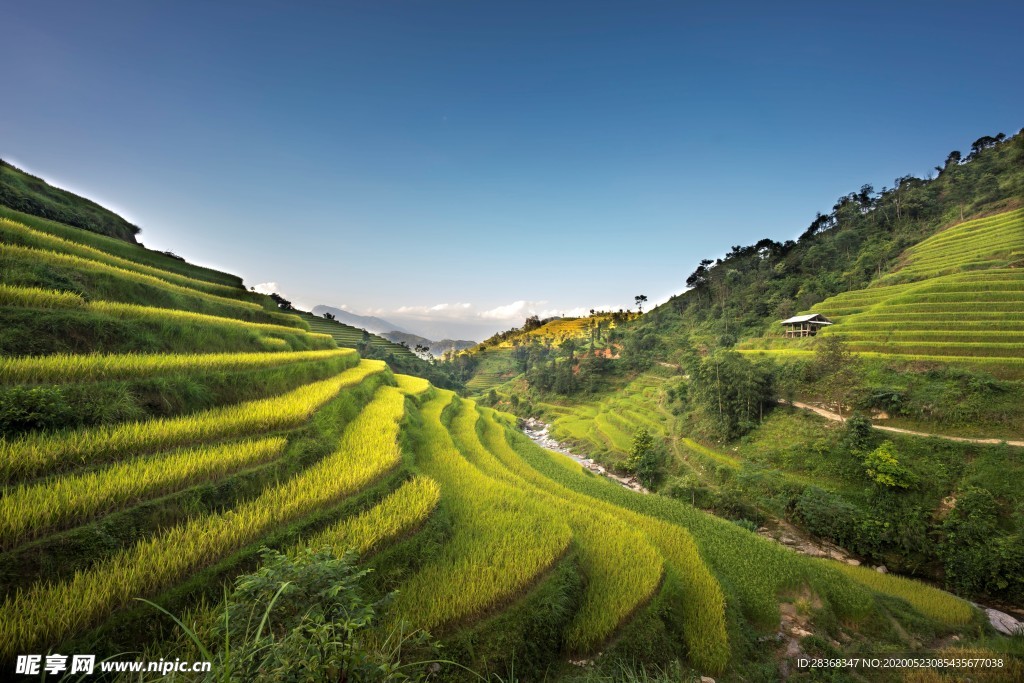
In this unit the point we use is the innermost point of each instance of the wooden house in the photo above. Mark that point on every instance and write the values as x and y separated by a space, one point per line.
805 325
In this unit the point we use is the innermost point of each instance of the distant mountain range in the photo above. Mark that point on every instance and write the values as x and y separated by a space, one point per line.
437 348
393 332
369 323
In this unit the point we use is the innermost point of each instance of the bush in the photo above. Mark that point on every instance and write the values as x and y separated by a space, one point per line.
645 459
883 467
303 617
828 516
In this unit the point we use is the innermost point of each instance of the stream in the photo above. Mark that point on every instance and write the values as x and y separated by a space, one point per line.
539 433
775 530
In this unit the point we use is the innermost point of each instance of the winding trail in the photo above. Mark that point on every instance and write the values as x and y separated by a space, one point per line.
836 417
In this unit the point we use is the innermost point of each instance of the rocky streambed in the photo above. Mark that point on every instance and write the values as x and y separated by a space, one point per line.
539 433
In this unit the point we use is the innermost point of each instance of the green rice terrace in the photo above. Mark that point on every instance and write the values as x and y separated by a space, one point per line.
957 295
163 426
352 337
606 427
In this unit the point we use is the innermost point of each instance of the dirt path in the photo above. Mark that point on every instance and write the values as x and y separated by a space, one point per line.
835 417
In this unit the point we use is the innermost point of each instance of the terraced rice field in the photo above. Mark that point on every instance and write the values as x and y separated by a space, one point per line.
993 242
958 295
351 337
569 328
358 459
134 253
606 426
976 314
496 366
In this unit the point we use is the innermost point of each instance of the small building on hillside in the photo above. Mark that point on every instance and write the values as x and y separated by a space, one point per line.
805 325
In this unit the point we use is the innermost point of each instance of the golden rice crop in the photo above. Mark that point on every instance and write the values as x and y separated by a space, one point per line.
502 539
622 567
412 386
84 264
34 454
61 368
398 513
704 609
50 612
931 602
34 297
137 312
27 236
28 511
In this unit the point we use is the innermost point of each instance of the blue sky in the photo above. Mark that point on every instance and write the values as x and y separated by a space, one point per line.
453 166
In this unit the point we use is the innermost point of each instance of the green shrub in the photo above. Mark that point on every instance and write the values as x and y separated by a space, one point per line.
303 617
883 467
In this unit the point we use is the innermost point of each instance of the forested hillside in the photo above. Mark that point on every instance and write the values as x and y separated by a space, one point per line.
752 287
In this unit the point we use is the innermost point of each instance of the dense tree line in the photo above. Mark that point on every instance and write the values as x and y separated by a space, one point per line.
753 286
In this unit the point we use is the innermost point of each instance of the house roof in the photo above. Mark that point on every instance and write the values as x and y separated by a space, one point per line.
810 317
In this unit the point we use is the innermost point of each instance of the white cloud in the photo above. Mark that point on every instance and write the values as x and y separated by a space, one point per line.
514 312
456 310
266 288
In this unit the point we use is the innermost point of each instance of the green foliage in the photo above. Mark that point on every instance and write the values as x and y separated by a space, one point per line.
305 618
858 436
30 194
829 516
731 392
977 556
302 617
883 467
25 408
646 459
837 371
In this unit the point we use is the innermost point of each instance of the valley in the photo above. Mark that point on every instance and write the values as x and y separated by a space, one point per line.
176 445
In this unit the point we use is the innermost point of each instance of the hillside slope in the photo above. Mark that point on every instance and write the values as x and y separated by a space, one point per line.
370 323
957 295
435 348
29 194
866 236
164 447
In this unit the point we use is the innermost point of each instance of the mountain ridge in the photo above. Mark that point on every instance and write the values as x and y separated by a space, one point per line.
370 323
